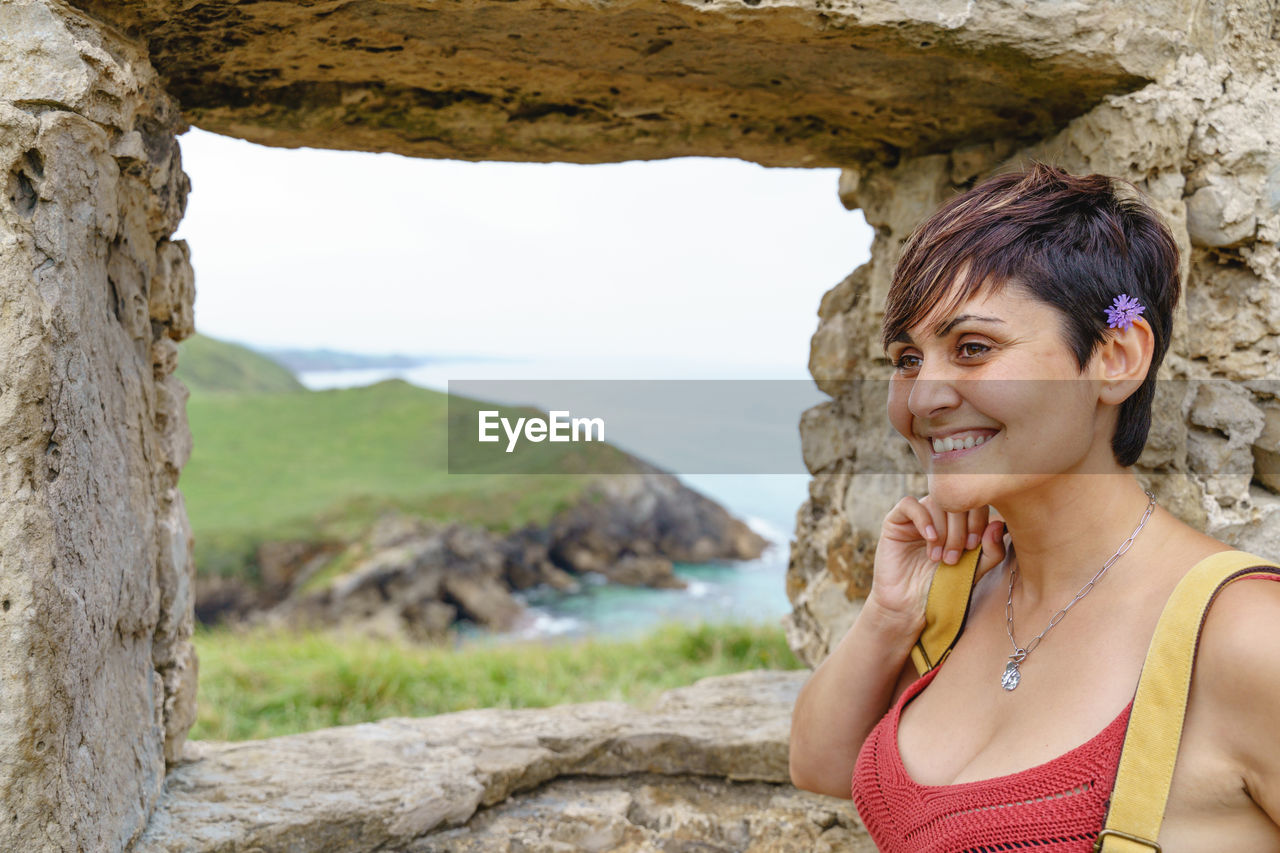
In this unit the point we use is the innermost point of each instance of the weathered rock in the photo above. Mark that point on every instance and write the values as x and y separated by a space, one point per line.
633 570
643 813
422 579
647 514
97 670
1220 214
528 563
284 563
1266 448
484 600
782 82
706 765
1221 451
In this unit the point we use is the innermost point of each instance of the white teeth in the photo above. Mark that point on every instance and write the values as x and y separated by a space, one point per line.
942 445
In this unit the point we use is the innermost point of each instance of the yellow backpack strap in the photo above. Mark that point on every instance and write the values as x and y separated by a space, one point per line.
1160 704
946 609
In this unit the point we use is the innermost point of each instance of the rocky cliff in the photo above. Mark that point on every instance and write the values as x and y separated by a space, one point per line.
415 579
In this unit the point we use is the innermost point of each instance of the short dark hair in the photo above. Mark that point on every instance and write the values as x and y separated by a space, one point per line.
1073 242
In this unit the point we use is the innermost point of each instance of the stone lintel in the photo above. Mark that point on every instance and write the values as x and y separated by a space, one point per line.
804 83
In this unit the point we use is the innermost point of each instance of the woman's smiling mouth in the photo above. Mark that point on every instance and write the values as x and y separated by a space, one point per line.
960 444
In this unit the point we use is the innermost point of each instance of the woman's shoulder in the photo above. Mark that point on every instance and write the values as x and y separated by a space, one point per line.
1244 613
1242 627
1240 607
1243 616
1237 679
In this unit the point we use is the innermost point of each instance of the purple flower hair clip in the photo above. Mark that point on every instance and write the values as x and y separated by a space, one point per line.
1122 312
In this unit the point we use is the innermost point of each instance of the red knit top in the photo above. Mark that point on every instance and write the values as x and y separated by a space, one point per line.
1055 807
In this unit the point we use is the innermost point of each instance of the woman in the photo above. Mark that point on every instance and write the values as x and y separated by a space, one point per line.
1032 313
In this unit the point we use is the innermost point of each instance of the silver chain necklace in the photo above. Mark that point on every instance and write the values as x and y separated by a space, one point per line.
1012 676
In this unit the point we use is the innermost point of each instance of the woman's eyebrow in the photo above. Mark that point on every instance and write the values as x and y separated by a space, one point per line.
903 337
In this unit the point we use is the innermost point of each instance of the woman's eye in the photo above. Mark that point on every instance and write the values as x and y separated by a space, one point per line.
901 363
910 362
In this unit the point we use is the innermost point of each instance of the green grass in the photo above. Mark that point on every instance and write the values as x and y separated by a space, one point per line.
261 683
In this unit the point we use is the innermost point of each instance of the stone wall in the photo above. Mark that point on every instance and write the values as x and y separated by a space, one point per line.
97 671
1203 142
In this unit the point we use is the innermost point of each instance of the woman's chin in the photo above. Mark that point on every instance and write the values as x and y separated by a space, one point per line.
959 492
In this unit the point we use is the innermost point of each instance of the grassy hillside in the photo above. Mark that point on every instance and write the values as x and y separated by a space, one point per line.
208 365
324 464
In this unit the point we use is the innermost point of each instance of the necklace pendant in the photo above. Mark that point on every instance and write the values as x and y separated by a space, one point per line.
1011 676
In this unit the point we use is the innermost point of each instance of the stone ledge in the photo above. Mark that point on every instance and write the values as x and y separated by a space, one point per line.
404 780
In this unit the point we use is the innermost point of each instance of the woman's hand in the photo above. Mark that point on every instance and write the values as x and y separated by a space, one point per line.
915 537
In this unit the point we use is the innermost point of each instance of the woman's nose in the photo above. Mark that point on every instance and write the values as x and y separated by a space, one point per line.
932 391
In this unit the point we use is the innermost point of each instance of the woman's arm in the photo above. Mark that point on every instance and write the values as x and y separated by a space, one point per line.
1238 669
845 697
870 667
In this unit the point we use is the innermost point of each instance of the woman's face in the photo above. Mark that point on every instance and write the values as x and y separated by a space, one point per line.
1001 374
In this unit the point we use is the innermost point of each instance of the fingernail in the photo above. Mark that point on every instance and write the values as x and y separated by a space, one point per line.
953 557
936 553
973 541
931 532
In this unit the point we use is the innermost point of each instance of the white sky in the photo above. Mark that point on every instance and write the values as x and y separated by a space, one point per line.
691 260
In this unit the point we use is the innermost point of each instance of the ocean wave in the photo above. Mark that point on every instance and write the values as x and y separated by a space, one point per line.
776 535
698 589
539 623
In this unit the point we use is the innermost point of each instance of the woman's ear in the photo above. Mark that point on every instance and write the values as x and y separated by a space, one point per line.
1123 360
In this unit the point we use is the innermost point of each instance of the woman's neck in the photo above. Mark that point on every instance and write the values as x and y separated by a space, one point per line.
1066 530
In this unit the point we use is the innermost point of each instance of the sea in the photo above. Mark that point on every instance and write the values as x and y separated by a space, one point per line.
752 591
